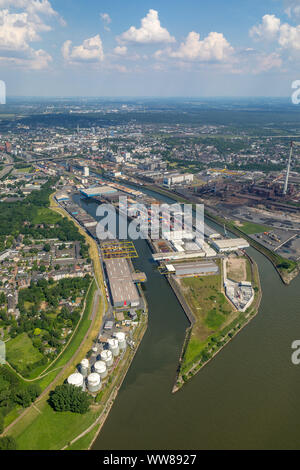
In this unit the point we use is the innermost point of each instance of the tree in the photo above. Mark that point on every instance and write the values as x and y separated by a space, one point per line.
34 391
23 398
69 398
47 247
8 443
1 424
2 298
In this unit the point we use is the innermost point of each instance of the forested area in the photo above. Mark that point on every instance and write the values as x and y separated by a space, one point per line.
13 392
27 218
49 312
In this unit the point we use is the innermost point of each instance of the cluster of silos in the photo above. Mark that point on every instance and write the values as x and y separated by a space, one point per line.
121 338
84 367
113 345
101 369
77 380
93 382
107 357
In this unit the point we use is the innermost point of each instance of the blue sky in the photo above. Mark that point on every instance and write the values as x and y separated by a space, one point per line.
149 48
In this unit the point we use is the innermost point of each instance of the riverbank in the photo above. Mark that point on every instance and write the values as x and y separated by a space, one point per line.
191 363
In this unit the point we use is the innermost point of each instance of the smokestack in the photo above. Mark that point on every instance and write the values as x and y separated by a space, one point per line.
288 171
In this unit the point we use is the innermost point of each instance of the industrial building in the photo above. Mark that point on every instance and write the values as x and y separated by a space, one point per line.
193 269
98 191
62 197
178 178
230 244
175 255
122 288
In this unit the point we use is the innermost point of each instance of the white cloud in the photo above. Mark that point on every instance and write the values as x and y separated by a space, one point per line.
289 37
91 50
267 30
120 50
150 32
213 48
17 31
267 62
271 28
292 8
34 8
105 17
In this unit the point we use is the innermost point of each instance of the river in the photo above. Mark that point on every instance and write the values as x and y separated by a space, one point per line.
247 397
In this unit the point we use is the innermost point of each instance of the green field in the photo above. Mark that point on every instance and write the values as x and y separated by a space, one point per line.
20 352
46 216
211 310
85 441
51 430
250 228
28 169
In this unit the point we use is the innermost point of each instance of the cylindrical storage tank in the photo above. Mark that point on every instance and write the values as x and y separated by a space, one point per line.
121 337
114 346
76 379
101 369
84 367
94 382
107 357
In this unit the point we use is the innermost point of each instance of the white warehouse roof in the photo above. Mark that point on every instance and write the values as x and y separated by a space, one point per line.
230 244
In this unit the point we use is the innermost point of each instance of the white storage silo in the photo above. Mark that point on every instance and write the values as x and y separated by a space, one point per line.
94 382
77 380
84 367
101 369
107 357
114 346
121 337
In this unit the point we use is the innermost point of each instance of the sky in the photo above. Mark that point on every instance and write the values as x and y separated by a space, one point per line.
162 48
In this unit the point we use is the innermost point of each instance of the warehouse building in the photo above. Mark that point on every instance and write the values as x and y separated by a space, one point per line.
98 191
193 269
122 288
178 178
230 244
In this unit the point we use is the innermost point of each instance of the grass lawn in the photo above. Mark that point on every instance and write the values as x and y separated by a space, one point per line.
12 415
51 430
85 441
25 170
46 216
20 352
250 228
211 310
